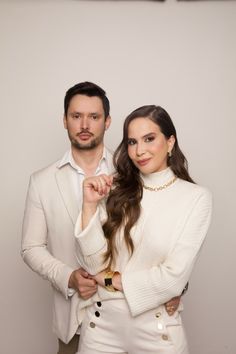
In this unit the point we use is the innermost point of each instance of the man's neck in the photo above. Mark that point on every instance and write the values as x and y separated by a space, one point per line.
88 160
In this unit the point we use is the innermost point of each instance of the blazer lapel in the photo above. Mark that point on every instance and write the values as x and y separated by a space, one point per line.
65 185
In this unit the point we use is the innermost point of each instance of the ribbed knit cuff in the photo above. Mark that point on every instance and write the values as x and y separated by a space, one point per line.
91 239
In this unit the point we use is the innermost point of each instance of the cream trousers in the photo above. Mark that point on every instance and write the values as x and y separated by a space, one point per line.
109 328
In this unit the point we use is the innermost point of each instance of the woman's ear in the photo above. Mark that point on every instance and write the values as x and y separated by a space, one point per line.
171 143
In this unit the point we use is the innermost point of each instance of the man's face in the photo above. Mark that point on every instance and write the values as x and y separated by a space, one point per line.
85 122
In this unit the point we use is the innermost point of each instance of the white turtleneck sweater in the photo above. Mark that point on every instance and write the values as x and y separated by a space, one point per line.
167 240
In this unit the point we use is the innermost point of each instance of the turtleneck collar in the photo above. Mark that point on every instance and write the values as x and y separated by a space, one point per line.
158 178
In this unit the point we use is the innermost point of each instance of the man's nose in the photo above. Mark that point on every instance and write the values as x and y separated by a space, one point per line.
84 123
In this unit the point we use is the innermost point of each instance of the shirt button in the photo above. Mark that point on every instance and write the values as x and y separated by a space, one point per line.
158 314
99 304
164 337
92 325
97 314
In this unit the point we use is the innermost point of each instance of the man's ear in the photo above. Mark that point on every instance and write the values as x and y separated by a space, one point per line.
107 122
65 122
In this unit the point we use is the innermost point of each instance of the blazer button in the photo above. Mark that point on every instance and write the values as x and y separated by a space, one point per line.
99 304
164 337
92 325
97 314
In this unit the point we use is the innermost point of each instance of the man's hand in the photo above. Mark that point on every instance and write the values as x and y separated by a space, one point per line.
80 281
172 305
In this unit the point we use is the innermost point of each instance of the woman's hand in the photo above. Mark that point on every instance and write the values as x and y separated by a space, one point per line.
94 189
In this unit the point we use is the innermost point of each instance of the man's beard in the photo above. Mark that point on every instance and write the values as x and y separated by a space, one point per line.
89 146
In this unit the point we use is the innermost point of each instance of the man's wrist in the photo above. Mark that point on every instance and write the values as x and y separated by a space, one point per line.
71 281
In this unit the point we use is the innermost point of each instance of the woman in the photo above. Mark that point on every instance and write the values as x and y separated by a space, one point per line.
142 248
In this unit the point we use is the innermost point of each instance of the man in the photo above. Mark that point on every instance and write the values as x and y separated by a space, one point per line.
53 202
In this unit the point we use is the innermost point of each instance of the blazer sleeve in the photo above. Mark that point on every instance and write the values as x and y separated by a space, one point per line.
149 288
34 249
90 244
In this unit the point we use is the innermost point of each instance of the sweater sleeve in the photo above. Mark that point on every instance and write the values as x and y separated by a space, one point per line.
149 288
90 243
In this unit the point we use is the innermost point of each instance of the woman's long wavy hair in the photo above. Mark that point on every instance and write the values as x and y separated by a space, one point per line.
123 204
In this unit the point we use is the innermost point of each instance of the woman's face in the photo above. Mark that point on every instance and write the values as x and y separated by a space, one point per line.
147 146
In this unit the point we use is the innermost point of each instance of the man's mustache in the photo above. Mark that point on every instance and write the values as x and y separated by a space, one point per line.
84 131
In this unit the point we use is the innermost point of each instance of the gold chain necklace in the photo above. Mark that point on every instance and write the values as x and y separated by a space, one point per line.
156 189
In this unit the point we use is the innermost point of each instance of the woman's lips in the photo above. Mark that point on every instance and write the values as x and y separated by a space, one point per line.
143 162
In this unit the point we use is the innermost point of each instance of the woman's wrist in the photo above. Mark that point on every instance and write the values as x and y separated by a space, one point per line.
117 281
88 210
112 281
89 207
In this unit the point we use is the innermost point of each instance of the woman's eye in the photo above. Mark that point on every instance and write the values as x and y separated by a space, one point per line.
131 141
149 139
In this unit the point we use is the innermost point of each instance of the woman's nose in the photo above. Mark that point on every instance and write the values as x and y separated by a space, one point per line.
140 150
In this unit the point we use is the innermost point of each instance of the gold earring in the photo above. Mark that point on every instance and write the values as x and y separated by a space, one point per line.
169 153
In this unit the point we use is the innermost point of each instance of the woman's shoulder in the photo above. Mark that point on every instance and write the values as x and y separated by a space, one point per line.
194 189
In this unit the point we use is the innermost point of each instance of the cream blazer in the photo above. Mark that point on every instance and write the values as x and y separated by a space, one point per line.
48 239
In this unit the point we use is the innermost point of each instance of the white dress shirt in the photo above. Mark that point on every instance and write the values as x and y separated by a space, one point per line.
104 166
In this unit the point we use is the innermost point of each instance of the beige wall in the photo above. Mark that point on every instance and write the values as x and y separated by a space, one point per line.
176 54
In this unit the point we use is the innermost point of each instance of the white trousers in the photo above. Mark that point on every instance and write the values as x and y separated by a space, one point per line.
109 328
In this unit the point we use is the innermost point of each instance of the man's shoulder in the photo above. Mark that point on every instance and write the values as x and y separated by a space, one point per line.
47 170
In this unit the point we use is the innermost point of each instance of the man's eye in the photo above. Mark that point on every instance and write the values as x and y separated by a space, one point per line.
75 116
94 117
131 141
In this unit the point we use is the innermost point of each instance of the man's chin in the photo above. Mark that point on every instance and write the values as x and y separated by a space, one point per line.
85 146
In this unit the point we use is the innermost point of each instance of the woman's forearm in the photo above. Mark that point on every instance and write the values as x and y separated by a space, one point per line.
88 210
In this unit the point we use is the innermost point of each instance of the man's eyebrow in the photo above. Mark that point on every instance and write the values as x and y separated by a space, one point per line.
74 112
77 112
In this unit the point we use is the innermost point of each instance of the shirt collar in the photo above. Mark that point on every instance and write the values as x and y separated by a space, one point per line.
68 159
